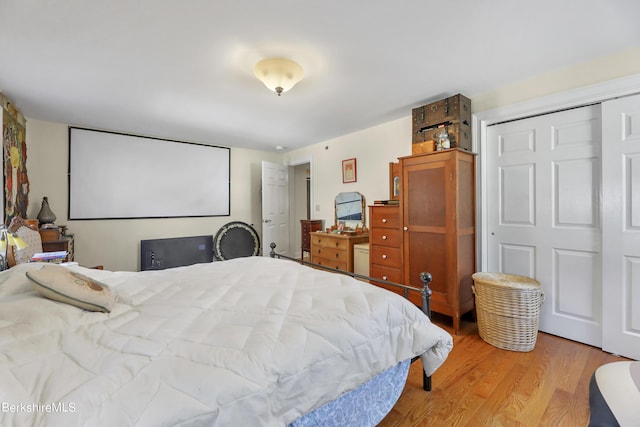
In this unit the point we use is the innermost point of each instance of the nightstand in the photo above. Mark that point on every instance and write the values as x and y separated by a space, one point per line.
65 243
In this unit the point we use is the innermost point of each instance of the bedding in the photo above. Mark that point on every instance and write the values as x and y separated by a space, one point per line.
614 395
249 341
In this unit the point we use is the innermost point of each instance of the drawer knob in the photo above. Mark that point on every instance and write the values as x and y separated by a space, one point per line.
405 228
384 237
337 244
384 220
384 257
384 277
337 255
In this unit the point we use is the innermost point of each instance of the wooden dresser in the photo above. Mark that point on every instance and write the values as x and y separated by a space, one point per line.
308 226
335 250
385 248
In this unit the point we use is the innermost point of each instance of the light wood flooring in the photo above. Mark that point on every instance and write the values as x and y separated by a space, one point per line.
481 385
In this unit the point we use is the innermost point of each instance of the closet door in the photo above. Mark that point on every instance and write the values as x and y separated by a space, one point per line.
543 187
621 226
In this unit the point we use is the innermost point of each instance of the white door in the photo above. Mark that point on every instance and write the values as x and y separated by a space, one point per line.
543 186
621 239
275 208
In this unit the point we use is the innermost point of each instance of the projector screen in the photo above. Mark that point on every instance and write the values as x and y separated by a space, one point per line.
119 176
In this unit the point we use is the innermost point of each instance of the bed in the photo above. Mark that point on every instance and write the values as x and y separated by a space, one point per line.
248 341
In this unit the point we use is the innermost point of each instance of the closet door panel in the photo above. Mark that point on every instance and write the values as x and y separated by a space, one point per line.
543 214
621 226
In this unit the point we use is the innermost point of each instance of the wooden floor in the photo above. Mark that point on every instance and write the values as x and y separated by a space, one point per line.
481 385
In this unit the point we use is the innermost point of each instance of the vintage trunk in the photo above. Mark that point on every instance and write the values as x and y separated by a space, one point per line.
453 112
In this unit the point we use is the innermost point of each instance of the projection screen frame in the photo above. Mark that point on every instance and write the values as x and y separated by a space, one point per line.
213 198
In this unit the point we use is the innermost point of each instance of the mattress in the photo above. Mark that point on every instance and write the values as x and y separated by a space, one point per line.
249 341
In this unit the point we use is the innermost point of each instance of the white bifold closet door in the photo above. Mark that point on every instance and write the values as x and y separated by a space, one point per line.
621 228
543 189
563 194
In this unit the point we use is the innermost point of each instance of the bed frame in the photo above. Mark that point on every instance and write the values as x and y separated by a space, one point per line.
425 292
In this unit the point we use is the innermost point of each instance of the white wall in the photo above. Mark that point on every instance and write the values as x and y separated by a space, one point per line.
617 65
115 244
373 149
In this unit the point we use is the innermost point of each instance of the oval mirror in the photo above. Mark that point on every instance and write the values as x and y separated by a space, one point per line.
349 207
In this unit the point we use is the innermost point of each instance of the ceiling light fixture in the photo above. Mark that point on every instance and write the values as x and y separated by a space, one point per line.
278 74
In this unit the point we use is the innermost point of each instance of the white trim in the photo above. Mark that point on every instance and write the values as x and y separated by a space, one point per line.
294 227
302 161
591 94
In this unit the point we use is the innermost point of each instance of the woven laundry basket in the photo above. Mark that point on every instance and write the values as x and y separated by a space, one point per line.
508 308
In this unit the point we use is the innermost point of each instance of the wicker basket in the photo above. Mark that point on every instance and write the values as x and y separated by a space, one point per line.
508 307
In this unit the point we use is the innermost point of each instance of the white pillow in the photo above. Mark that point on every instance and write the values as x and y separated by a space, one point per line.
61 284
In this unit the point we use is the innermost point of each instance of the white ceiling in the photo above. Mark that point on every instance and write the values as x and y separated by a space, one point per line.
184 69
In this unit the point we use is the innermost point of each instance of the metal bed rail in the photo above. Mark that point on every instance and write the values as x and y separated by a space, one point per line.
425 292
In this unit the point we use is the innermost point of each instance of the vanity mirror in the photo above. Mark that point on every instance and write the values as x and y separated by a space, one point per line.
349 207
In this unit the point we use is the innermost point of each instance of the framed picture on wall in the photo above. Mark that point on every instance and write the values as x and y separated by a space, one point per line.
349 170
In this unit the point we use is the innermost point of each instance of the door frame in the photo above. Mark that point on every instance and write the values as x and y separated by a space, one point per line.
293 225
559 101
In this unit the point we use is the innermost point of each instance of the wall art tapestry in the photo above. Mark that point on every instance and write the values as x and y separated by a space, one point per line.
14 150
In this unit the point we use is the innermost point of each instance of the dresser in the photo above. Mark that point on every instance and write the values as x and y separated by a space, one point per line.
308 226
335 250
385 248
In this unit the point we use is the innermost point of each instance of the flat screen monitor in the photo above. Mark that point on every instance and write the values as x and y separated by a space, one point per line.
159 254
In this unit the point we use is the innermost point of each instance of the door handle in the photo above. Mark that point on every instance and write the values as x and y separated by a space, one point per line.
266 221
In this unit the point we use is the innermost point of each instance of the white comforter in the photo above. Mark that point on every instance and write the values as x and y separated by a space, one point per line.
246 342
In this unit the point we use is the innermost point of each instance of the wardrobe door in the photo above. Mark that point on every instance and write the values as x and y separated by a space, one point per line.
425 214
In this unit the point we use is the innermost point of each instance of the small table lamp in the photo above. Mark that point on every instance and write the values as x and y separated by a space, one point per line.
8 239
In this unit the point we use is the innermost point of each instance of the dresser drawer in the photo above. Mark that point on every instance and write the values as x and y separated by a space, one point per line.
384 255
328 241
386 237
385 216
331 263
389 274
330 253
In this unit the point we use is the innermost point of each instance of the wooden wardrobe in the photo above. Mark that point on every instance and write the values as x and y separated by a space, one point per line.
437 200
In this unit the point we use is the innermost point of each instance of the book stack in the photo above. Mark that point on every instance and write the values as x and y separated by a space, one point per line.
386 202
55 257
